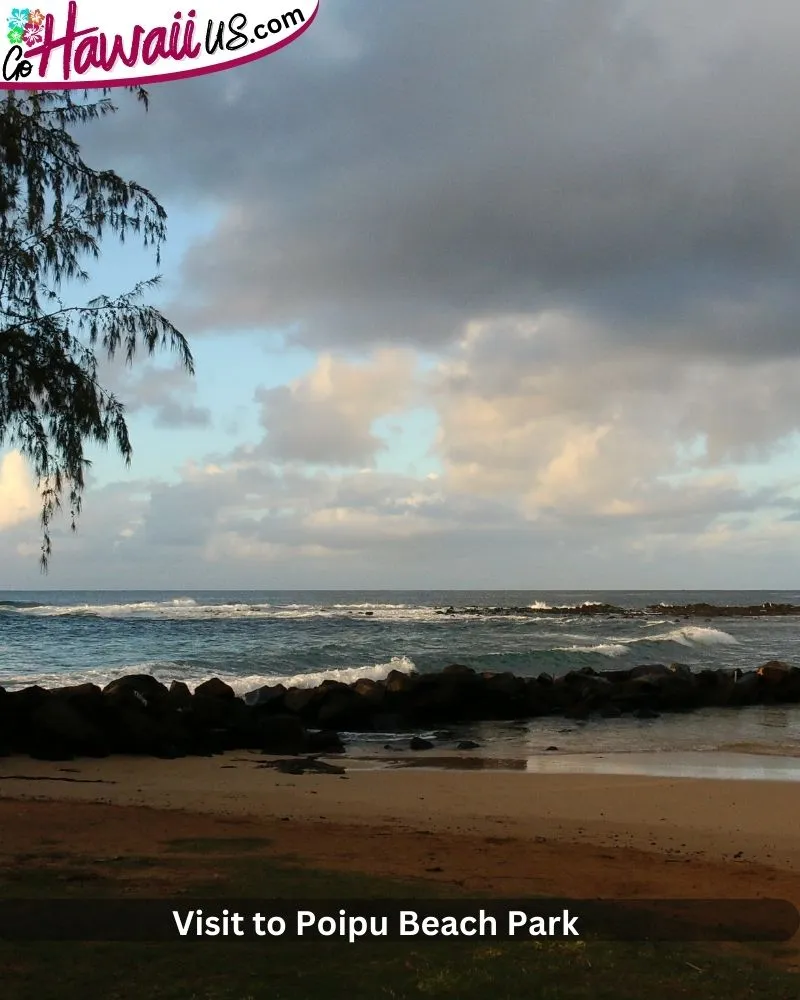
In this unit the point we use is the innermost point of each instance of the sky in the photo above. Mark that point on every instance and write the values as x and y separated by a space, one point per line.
498 296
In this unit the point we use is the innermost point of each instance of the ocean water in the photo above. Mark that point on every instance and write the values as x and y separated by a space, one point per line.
300 638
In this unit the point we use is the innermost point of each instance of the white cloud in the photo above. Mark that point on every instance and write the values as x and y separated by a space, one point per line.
19 500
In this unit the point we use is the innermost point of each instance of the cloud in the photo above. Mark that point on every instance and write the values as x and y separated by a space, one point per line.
421 168
19 500
326 416
571 231
160 390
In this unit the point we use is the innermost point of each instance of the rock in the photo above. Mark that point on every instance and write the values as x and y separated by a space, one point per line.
650 670
215 688
459 669
417 743
324 741
299 701
386 722
371 691
282 734
137 687
343 708
180 697
399 683
59 727
468 745
305 766
773 672
270 697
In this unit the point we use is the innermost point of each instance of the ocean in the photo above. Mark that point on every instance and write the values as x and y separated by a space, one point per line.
253 638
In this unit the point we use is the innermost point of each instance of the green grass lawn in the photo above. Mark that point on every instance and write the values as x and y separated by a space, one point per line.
277 969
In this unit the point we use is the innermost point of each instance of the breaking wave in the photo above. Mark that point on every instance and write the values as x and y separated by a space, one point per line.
193 674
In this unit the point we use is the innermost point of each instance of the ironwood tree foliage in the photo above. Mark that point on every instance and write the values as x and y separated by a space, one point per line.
55 211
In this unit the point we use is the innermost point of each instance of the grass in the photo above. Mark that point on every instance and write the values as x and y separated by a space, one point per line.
275 969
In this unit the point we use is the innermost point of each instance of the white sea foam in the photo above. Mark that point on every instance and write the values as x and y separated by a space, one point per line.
345 675
187 608
696 635
691 635
540 606
167 671
603 649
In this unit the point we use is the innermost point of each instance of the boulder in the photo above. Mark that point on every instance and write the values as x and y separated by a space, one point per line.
215 688
418 743
399 683
143 688
268 698
58 727
773 672
343 708
324 741
282 734
371 691
180 697
300 701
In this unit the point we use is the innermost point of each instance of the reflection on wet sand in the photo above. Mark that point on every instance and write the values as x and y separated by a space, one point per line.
722 765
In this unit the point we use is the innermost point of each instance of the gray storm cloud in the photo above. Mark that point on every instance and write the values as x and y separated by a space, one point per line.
406 167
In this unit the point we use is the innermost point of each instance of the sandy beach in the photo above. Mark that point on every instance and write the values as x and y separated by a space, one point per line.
505 832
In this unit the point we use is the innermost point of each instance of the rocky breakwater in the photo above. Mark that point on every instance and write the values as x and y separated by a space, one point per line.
591 609
137 714
459 694
766 610
595 609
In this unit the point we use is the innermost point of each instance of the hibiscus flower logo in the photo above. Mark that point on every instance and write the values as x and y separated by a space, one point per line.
33 30
17 23
25 25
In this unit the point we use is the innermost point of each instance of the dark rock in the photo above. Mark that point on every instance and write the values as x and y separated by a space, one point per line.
417 743
650 670
468 745
305 766
300 701
215 688
343 708
270 697
371 691
400 683
282 734
773 672
57 723
324 741
180 697
386 722
146 689
459 669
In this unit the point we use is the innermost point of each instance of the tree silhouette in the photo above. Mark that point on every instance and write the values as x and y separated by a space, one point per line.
54 212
